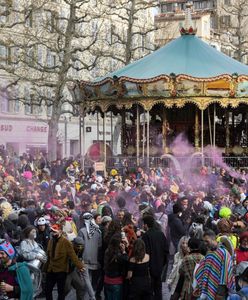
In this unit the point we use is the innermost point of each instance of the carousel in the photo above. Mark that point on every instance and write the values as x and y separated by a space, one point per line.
186 87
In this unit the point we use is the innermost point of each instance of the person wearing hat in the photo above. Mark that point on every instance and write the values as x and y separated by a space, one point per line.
59 251
43 234
15 280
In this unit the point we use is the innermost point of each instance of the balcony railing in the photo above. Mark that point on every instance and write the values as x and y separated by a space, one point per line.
155 162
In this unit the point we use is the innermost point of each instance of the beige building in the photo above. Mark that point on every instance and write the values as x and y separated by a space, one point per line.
221 23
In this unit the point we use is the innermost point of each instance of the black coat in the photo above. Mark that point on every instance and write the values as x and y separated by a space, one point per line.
177 228
158 249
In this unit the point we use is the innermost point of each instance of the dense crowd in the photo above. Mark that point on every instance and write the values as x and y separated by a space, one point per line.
116 237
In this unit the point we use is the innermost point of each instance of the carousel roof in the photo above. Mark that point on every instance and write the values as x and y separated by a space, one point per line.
187 55
186 70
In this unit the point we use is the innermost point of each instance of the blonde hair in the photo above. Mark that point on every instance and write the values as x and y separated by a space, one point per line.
182 239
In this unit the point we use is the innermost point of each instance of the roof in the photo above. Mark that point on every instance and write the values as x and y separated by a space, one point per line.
186 55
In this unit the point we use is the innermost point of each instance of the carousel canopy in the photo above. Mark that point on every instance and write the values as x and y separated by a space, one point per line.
186 55
186 70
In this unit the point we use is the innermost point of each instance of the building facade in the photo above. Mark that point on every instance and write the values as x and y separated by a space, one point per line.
221 23
25 113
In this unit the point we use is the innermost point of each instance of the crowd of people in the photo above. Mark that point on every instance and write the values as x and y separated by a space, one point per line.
117 236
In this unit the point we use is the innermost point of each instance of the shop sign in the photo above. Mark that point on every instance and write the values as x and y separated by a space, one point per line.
6 127
36 129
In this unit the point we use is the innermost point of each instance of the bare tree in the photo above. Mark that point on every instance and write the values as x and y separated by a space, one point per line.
130 37
233 27
48 46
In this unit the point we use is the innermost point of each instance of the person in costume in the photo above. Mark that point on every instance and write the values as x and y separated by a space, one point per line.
92 237
59 251
14 277
214 275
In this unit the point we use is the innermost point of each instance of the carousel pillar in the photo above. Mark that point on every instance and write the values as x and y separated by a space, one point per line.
246 127
197 130
123 132
80 135
143 136
233 129
97 126
138 135
202 135
148 139
164 131
214 125
227 130
104 143
111 130
210 128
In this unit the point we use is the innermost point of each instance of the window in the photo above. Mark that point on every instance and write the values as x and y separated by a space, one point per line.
10 102
168 7
94 28
5 6
16 10
63 19
51 21
30 57
225 21
40 55
15 52
227 2
32 105
5 55
51 59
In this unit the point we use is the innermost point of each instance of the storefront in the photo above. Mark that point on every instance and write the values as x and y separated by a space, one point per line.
20 136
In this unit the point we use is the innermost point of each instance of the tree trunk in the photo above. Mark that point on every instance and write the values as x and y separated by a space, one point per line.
52 137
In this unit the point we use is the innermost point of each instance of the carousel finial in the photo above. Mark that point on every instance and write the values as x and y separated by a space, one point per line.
188 26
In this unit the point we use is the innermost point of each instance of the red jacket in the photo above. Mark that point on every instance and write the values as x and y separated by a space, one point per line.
241 255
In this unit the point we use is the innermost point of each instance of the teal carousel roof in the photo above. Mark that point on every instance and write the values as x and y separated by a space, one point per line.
185 70
186 55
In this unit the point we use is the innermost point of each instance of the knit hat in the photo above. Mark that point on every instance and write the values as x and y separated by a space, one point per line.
8 249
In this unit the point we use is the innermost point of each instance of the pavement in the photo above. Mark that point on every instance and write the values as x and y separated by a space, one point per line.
72 295
166 293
